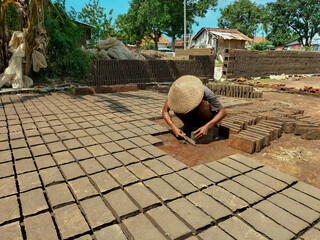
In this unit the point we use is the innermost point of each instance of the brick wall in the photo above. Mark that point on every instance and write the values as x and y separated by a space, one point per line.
244 63
113 72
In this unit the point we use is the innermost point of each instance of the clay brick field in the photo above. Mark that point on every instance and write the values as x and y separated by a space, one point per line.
102 163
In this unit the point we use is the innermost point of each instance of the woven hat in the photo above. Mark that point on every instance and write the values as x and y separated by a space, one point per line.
185 94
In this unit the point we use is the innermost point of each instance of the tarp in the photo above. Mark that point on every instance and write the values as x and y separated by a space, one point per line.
112 48
13 74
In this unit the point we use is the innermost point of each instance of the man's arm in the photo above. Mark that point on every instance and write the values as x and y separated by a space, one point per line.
166 116
203 131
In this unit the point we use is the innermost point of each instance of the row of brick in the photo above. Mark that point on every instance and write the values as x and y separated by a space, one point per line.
307 90
108 72
243 63
234 90
109 89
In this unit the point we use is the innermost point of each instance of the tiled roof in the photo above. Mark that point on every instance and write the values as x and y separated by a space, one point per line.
178 43
257 39
162 40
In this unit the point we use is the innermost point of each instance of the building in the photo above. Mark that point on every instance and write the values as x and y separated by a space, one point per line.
257 39
296 44
162 43
293 45
179 43
220 39
86 36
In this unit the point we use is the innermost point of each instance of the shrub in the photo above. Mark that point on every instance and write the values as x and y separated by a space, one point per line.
266 45
65 58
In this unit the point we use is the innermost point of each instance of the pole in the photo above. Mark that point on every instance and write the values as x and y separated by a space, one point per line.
185 24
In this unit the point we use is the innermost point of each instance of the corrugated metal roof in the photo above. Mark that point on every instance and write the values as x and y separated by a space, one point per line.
231 36
225 33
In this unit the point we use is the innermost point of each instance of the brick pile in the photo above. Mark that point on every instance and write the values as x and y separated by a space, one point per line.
307 90
114 72
255 129
236 124
234 90
244 63
301 125
256 137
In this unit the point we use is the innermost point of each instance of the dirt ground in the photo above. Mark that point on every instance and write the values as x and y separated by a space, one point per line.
290 154
304 81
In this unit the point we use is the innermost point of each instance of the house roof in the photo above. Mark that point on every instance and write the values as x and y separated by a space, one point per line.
257 39
225 33
178 42
162 40
84 24
293 42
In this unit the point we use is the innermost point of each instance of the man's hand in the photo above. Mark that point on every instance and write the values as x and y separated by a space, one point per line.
203 131
179 133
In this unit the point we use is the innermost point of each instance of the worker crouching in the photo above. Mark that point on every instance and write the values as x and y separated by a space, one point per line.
195 105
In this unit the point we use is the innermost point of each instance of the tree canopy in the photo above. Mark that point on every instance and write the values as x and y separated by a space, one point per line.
151 18
95 15
242 15
300 17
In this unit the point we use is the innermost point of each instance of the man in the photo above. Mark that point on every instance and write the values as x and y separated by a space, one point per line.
195 104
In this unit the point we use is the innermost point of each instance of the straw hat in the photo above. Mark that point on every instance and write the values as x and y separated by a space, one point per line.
185 94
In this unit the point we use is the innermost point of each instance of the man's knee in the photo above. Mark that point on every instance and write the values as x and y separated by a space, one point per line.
204 109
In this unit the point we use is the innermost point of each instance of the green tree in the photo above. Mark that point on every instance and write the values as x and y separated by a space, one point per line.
242 15
152 18
266 45
300 17
174 25
65 59
144 19
95 15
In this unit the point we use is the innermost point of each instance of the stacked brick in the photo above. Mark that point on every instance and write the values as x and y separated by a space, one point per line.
236 124
234 90
301 125
294 121
194 51
114 72
254 130
256 137
244 63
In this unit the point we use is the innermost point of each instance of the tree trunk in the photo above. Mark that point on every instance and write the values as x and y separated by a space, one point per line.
2 40
30 38
22 23
156 39
173 44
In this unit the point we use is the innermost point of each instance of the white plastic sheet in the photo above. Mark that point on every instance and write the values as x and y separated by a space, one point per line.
13 74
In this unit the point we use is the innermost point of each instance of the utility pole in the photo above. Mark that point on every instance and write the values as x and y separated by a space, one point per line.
185 24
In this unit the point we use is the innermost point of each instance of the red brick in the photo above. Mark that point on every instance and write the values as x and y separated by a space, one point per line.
245 144
311 133
83 91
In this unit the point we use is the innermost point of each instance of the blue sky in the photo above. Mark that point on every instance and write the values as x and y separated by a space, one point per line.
121 7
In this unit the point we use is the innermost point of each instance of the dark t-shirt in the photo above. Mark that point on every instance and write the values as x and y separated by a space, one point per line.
209 96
